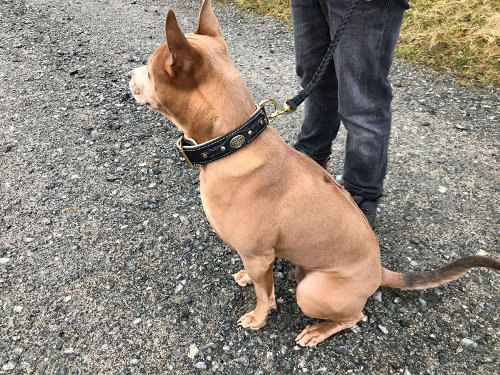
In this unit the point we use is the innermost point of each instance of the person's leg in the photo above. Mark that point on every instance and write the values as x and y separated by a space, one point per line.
312 37
362 62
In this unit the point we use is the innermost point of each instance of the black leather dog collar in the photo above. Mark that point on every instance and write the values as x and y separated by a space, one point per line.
224 145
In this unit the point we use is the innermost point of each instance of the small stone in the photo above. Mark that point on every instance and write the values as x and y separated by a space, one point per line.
356 329
285 366
442 189
29 288
408 218
461 127
18 350
243 360
384 330
178 288
193 351
468 342
201 365
415 240
50 185
426 123
18 309
407 372
28 239
226 348
46 221
8 147
4 261
414 263
278 275
124 96
136 321
342 350
134 361
422 301
67 299
183 220
377 296
8 366
226 326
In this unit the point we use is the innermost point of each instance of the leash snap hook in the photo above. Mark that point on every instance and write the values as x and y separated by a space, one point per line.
277 112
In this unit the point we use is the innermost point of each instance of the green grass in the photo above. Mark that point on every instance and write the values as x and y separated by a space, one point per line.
462 36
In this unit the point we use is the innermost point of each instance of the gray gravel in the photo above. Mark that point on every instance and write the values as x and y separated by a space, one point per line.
107 264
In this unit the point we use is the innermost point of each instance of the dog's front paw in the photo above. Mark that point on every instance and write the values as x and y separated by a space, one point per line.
242 278
253 320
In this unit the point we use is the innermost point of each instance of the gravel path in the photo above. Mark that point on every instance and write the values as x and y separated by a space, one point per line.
108 266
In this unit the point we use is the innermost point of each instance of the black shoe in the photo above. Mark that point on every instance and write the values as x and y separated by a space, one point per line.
368 207
323 163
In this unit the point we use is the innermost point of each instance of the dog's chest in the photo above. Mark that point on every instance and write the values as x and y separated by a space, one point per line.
230 210
215 219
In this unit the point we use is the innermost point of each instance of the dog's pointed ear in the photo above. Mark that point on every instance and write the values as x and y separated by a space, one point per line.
207 22
180 56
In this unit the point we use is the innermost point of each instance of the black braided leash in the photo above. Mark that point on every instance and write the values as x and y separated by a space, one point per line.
292 104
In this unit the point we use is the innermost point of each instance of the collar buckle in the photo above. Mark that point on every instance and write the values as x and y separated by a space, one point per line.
180 148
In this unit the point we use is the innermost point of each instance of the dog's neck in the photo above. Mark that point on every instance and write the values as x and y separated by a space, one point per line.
217 107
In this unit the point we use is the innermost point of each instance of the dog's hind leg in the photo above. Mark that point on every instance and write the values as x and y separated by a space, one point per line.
260 271
326 296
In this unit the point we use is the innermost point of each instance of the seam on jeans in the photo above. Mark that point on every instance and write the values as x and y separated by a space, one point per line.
323 104
377 109
380 157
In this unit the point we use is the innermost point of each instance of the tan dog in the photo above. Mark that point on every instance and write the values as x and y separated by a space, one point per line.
267 200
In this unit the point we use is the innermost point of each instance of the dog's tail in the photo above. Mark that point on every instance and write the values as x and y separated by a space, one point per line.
432 279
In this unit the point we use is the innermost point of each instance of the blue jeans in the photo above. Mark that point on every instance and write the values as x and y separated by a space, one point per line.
355 89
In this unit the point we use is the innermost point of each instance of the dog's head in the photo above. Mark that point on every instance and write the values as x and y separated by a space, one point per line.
190 78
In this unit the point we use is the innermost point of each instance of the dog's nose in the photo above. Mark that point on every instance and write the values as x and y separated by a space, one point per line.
130 74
